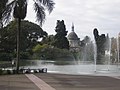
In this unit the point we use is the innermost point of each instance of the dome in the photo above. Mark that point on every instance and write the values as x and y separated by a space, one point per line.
73 36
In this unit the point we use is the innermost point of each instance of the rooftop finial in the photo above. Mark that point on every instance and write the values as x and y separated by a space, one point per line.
107 36
73 27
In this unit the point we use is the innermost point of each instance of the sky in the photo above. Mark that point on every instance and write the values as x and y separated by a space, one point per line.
85 14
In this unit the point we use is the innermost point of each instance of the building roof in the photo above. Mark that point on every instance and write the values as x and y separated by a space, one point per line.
72 35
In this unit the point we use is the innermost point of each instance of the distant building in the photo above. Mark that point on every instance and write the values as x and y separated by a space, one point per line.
74 41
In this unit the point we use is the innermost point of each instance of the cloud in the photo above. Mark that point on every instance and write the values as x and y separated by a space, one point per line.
87 15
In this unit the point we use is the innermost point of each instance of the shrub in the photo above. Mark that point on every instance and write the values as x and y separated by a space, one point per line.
49 52
1 71
8 72
24 55
5 56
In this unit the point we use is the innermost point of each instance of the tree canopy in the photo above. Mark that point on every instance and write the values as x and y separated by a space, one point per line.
60 37
30 34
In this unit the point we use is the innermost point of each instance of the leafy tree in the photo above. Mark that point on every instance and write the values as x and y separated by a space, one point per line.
6 41
101 47
51 53
30 34
18 8
6 46
60 38
43 52
48 40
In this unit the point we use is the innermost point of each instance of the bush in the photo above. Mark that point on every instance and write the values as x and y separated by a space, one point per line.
1 71
24 55
8 72
5 56
49 52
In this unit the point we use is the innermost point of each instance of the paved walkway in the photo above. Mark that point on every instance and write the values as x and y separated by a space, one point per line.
46 81
80 82
39 83
16 82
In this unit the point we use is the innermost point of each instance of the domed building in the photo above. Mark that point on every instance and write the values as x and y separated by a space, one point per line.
74 41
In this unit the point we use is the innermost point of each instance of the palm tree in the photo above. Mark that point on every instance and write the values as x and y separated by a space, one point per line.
2 8
18 9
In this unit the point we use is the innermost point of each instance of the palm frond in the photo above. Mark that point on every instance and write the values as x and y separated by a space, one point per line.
40 13
2 7
7 14
20 9
49 4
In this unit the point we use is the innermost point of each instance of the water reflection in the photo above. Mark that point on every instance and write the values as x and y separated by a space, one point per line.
69 67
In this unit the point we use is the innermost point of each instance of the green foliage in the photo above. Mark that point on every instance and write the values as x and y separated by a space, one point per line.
39 47
5 56
7 40
25 55
60 40
49 52
2 7
18 8
48 40
1 71
30 33
60 28
101 46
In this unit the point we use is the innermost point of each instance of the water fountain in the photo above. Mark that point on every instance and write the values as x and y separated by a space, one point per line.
95 54
108 52
94 67
108 66
118 47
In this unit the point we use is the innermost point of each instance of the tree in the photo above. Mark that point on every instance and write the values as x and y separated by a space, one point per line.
6 41
18 8
47 52
48 40
60 38
2 8
101 47
30 34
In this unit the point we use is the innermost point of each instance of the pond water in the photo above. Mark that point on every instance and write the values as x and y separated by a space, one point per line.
69 67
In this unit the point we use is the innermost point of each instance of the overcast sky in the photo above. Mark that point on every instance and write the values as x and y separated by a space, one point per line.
85 14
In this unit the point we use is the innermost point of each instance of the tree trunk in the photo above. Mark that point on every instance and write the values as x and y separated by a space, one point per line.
18 45
1 24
